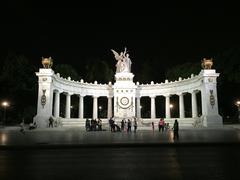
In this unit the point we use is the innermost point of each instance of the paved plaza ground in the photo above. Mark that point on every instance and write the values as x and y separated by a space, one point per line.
73 153
12 137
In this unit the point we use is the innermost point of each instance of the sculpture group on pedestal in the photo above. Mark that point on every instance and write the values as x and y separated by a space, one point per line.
123 61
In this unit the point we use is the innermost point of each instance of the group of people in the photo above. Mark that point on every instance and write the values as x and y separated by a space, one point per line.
93 124
162 126
126 125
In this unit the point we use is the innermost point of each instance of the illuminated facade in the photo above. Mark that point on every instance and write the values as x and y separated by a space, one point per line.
124 98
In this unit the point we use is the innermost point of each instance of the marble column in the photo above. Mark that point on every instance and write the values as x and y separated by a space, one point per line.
57 104
138 107
181 106
68 106
81 107
109 114
95 107
167 106
153 108
194 104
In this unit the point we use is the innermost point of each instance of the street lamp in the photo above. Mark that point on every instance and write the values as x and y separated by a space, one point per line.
238 105
5 104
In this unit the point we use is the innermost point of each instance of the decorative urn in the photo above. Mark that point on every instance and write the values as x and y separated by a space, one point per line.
47 62
207 63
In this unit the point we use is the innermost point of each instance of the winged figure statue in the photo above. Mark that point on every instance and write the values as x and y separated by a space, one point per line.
123 61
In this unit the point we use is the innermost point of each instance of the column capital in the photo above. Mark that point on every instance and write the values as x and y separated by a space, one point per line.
57 91
166 95
94 96
67 93
109 97
180 94
152 96
81 95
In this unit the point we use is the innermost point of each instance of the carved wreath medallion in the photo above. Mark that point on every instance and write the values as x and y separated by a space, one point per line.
212 98
124 102
43 98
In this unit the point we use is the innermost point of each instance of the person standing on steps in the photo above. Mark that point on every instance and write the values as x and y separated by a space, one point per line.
175 130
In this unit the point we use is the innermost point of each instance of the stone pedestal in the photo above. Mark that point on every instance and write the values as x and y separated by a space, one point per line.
210 115
124 95
45 97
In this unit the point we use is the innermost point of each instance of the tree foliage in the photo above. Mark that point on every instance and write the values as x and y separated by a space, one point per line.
66 70
184 70
18 84
228 64
98 70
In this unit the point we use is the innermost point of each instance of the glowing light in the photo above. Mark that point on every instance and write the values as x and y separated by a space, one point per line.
238 103
100 107
5 103
171 106
3 139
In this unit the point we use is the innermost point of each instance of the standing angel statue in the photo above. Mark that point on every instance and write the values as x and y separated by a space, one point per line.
123 61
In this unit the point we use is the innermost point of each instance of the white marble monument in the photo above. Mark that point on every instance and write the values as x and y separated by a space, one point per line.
124 96
124 87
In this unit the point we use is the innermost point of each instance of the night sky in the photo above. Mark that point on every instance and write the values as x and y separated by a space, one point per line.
170 33
72 32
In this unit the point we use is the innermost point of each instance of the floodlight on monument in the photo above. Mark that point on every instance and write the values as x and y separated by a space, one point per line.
140 107
100 107
171 106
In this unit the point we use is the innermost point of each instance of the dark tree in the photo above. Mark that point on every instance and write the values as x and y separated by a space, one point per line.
19 86
66 71
98 70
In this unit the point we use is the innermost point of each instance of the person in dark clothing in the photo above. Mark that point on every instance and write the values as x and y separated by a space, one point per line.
129 125
122 125
175 130
51 122
135 125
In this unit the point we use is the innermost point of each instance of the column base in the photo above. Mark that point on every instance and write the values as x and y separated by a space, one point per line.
41 121
212 120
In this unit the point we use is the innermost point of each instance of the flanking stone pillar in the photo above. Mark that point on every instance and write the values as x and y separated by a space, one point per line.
68 106
210 115
153 108
109 112
57 104
181 106
167 106
81 107
138 107
95 107
194 104
45 97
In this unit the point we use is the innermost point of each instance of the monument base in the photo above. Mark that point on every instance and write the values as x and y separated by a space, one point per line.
41 121
212 121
